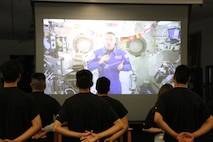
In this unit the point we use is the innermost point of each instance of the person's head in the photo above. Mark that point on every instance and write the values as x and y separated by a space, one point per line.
182 74
103 85
38 82
11 71
109 41
84 79
164 88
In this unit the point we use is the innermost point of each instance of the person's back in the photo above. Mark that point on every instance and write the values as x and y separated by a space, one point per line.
14 108
87 106
19 118
48 106
187 111
149 125
85 111
182 109
103 87
117 106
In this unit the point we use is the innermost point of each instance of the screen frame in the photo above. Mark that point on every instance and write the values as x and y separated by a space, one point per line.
132 1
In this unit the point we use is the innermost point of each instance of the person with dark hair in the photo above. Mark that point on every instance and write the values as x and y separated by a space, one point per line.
149 124
103 87
109 61
86 112
181 113
48 108
19 118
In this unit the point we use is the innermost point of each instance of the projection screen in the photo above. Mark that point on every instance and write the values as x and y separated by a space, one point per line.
153 36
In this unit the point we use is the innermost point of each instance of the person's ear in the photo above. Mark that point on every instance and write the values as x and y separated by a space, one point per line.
174 78
19 77
91 84
189 79
45 85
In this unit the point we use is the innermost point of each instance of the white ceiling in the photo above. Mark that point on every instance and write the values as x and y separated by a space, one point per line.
17 18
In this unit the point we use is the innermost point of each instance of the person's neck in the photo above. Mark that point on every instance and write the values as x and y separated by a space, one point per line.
37 90
87 90
180 85
10 84
102 94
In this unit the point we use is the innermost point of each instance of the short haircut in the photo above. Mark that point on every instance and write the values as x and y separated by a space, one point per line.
164 88
182 74
38 81
11 70
84 79
103 85
110 33
38 76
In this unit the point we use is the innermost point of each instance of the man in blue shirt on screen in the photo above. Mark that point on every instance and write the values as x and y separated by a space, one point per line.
109 61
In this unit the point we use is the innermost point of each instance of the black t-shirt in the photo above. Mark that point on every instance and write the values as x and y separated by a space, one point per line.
210 105
209 135
183 110
149 121
117 106
17 109
48 108
86 111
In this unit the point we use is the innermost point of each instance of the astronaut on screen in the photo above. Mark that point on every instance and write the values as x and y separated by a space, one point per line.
109 61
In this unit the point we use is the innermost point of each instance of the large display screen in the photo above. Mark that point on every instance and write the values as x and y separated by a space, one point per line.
143 54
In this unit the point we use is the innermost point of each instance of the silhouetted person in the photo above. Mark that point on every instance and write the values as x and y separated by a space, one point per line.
149 124
86 112
19 118
103 87
181 113
48 107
